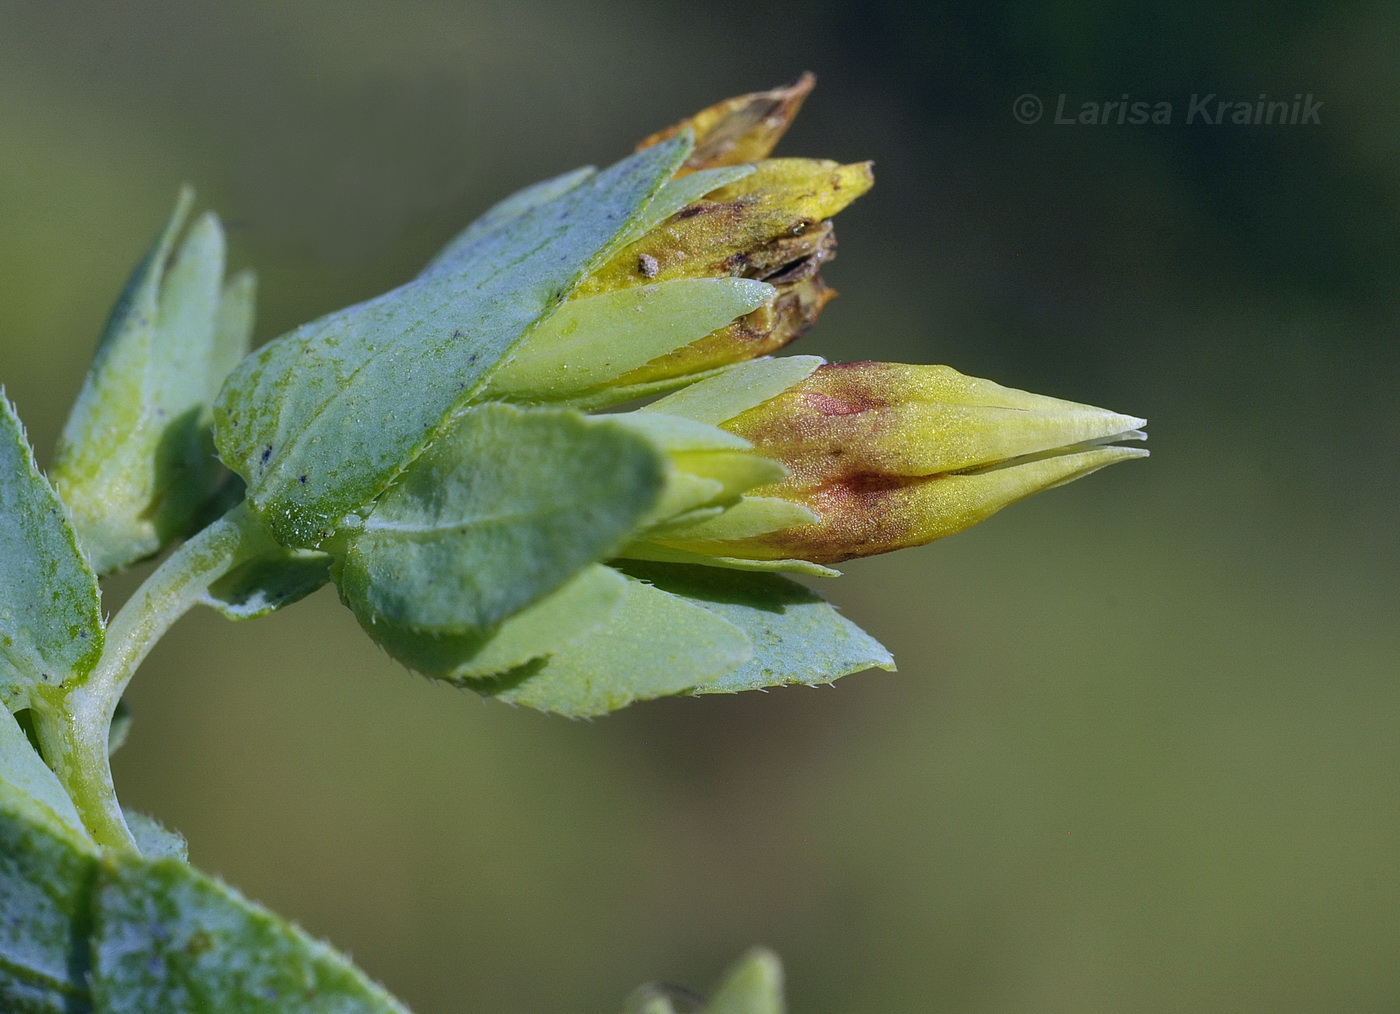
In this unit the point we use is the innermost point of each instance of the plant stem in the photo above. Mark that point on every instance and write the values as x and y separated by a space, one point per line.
74 734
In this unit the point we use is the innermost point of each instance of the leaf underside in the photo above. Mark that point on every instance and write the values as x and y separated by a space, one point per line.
508 506
50 613
797 637
320 421
690 629
133 935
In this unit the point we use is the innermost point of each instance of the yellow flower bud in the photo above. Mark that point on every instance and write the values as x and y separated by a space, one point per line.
888 456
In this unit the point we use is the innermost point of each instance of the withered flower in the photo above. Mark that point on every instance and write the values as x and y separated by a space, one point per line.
731 214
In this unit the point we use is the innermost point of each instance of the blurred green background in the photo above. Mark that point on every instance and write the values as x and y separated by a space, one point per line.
1143 749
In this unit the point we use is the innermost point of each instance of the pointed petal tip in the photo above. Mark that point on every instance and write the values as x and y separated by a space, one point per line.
1132 427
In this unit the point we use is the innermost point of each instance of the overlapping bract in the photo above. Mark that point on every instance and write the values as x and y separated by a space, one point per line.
551 559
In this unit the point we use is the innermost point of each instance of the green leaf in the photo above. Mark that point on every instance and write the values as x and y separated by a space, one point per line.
654 644
508 506
267 583
153 839
540 629
30 789
737 389
45 887
135 458
170 939
466 245
753 986
50 614
589 342
797 637
132 935
320 421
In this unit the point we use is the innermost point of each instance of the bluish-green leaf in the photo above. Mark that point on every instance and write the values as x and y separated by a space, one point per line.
589 342
132 935
170 939
267 583
153 839
797 637
45 889
50 615
508 506
471 242
543 628
654 644
135 458
320 421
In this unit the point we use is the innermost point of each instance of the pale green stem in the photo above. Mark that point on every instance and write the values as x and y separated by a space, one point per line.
74 734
